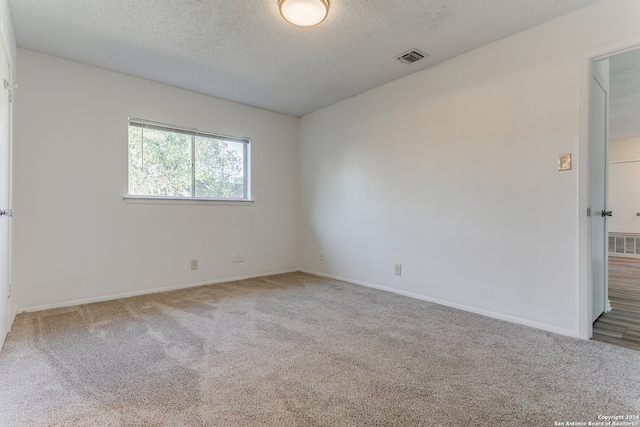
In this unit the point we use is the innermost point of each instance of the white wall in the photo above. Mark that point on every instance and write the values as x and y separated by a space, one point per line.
74 236
452 172
624 150
624 186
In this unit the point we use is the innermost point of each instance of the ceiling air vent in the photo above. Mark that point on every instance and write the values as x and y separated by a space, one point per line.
411 56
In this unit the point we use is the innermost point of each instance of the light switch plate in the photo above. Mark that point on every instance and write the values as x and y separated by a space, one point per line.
564 162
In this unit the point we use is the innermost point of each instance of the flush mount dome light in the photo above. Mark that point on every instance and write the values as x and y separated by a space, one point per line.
304 13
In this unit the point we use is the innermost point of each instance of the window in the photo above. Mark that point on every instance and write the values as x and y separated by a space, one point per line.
171 162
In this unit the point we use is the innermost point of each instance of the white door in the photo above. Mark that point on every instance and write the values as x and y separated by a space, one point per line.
5 185
598 155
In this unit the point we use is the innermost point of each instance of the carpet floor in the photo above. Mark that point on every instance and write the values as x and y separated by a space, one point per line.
301 350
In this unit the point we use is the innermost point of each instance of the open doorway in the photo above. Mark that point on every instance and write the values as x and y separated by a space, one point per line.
620 323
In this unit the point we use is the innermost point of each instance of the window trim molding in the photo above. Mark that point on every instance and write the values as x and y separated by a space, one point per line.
135 198
159 200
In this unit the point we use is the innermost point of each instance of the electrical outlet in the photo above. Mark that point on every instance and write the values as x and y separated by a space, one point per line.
398 270
321 256
234 257
194 264
240 256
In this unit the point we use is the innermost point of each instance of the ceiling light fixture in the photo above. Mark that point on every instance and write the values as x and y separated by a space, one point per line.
304 13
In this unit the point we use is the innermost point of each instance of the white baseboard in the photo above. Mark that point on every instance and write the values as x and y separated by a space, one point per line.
487 313
148 291
494 315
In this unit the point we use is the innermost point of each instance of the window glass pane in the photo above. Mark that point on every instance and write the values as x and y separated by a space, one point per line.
135 158
168 161
219 168
159 163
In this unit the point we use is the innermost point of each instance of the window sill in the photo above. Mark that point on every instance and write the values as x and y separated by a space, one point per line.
141 200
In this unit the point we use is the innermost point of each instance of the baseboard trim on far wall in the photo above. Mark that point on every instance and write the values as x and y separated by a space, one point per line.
487 313
149 291
499 316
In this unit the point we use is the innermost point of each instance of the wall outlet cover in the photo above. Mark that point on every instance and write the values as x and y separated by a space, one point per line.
398 270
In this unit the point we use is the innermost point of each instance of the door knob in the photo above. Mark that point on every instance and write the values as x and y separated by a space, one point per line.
606 213
7 212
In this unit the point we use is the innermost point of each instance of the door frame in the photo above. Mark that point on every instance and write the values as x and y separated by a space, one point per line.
587 58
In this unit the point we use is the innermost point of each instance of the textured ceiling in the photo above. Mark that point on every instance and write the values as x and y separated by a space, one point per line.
242 50
624 96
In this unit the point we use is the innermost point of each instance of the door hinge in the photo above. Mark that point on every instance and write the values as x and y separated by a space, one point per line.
10 88
588 211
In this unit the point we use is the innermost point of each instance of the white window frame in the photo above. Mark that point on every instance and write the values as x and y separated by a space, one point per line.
135 198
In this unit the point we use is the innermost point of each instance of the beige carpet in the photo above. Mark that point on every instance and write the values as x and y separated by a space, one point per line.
300 350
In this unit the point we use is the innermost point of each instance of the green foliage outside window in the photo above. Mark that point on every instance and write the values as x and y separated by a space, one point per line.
165 162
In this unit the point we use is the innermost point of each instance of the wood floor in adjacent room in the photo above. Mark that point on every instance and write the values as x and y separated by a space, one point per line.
621 326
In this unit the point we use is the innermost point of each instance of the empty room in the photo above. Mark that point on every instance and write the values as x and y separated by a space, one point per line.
316 213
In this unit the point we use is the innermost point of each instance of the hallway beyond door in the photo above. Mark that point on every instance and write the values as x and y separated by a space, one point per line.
621 326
